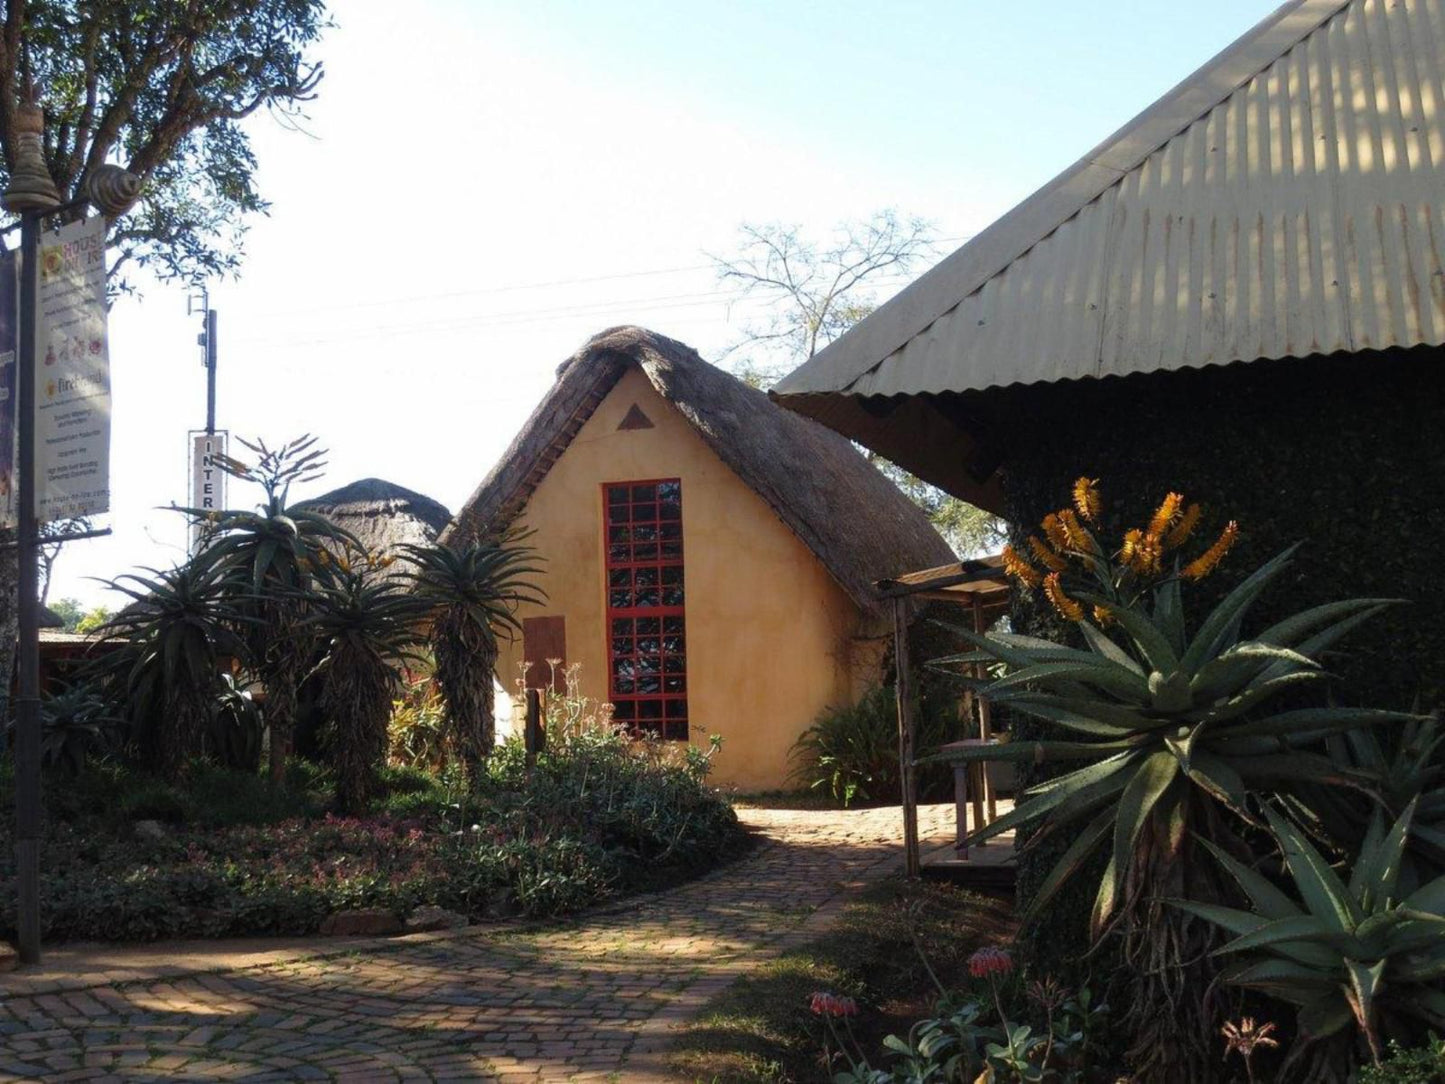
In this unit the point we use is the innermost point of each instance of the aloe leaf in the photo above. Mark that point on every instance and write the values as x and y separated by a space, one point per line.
1102 645
1365 981
1324 895
1256 693
1429 897
1227 918
1286 632
1151 779
1072 720
1083 845
1281 975
1039 673
1316 721
1326 1015
1152 642
1106 899
1219 778
1267 899
1085 786
1229 611
1282 934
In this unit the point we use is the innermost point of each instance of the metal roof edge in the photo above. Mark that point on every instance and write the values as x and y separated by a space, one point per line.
958 275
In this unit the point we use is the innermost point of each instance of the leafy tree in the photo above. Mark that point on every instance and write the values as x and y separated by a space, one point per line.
271 560
161 88
816 290
69 611
365 624
469 597
93 619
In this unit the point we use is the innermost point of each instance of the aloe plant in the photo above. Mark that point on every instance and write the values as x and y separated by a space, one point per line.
1348 954
1172 731
1168 724
469 596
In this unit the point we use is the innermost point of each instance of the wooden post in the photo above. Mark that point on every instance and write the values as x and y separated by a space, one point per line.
985 731
534 738
912 864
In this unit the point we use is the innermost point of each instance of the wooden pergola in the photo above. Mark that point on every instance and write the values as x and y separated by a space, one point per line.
980 586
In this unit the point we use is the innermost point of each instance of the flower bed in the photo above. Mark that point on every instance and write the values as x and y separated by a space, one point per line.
593 821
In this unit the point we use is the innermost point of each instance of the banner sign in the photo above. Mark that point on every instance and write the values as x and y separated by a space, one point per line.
9 390
72 380
208 481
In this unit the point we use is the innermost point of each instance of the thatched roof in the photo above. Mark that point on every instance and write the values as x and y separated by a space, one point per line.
381 514
856 521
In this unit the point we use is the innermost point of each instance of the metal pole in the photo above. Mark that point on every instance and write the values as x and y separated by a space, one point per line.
27 700
210 369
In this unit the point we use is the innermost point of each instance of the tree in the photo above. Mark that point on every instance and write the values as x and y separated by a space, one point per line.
364 623
469 596
161 87
273 559
815 291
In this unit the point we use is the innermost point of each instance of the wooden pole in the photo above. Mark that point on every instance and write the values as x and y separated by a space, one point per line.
533 737
985 731
912 864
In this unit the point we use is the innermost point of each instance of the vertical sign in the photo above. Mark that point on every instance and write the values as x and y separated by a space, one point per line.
208 481
9 343
72 381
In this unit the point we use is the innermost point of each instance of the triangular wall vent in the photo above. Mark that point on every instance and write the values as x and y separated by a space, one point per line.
635 419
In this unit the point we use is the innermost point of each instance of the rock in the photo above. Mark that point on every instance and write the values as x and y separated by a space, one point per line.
428 918
365 922
9 958
151 831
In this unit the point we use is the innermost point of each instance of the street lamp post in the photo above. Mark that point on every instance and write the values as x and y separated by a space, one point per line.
32 195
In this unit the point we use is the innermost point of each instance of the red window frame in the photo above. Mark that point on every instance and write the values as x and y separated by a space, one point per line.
646 606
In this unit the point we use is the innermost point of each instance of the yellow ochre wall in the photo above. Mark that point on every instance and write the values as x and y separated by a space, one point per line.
771 637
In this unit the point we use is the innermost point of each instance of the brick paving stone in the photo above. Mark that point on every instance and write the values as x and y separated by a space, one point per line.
596 997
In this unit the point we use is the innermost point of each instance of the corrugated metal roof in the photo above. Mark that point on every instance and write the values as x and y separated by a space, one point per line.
1294 209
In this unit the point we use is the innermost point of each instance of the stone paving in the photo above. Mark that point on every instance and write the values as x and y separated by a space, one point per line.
591 999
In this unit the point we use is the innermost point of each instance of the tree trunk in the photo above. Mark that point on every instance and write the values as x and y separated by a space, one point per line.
464 673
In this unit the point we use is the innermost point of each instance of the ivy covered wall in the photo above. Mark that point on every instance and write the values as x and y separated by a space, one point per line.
1345 453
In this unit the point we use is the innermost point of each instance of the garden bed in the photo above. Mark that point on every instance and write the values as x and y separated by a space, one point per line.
127 858
762 1029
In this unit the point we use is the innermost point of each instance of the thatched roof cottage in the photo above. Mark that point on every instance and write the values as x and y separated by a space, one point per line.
709 556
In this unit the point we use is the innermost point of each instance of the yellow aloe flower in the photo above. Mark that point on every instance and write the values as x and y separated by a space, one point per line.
1054 531
1103 616
1068 608
1141 552
1165 514
1087 499
1184 528
1019 568
1046 556
1205 563
1074 532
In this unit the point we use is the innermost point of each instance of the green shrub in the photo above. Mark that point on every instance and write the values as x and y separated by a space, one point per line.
1421 1065
851 753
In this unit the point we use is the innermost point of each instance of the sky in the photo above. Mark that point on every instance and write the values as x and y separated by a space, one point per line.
484 184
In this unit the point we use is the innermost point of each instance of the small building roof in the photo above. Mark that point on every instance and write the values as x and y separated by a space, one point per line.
857 523
382 515
1283 201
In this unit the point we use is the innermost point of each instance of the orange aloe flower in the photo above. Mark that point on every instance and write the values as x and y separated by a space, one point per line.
1087 499
1206 562
1019 568
1068 608
1046 556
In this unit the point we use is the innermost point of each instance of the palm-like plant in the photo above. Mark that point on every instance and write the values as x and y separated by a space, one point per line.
366 625
1173 733
173 643
1346 954
469 597
274 558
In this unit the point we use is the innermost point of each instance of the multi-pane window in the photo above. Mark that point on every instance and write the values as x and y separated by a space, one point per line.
647 644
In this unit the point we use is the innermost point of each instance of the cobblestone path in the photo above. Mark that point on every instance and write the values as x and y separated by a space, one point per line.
591 999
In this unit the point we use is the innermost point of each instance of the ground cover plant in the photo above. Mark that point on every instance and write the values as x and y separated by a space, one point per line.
764 1027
